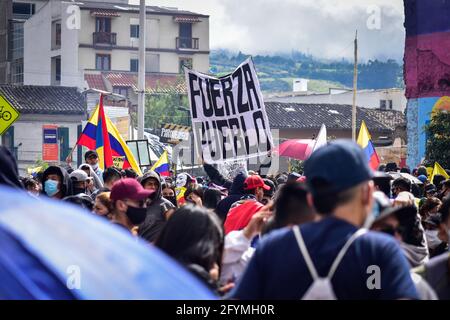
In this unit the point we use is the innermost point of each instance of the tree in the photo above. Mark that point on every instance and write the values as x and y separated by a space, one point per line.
438 140
165 108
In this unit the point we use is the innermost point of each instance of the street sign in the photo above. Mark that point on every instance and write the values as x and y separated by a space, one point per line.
8 114
50 143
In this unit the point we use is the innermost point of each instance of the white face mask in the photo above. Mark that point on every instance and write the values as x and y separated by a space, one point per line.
432 238
94 166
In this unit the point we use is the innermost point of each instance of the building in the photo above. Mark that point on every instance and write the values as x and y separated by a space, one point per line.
303 121
13 14
95 44
40 106
384 99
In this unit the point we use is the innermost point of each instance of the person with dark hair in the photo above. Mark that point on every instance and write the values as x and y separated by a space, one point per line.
57 184
82 200
103 205
435 245
438 178
32 186
159 209
382 182
129 200
95 182
391 167
268 194
9 173
235 193
169 193
291 207
437 271
211 198
405 170
429 207
422 170
329 258
194 238
293 177
382 168
400 185
91 158
110 176
445 190
194 195
130 173
430 190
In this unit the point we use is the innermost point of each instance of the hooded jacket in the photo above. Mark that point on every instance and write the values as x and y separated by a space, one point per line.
9 174
66 183
235 194
98 184
156 219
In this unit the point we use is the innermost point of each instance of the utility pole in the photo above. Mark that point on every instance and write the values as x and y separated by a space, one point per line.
355 84
141 75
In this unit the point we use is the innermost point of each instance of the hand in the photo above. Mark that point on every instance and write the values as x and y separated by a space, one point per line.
69 159
258 221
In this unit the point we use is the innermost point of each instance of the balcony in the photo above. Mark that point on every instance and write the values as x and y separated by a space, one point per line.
187 43
104 39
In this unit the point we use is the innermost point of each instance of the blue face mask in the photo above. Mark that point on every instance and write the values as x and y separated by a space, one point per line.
51 187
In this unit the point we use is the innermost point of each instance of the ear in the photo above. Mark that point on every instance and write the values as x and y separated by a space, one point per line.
310 200
120 205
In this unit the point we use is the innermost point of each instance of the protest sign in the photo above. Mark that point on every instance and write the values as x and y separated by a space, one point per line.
229 119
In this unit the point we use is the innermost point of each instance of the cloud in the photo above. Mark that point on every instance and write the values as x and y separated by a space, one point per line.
323 28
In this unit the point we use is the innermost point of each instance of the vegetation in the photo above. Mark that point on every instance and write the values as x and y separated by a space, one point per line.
438 142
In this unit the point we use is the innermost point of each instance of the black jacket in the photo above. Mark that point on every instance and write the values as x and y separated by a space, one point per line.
9 174
156 219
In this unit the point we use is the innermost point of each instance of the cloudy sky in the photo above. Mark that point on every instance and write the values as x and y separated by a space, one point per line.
323 28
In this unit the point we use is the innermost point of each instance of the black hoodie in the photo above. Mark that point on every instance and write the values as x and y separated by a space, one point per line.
66 183
9 174
235 194
156 219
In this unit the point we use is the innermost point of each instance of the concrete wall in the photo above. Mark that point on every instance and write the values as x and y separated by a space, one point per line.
28 131
37 47
366 99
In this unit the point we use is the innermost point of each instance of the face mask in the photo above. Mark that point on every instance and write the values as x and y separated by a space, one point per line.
78 191
172 199
432 238
136 215
94 166
51 187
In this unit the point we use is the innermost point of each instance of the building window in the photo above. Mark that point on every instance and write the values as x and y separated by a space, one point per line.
383 104
134 31
185 62
390 104
23 10
58 69
134 65
58 35
185 40
103 62
103 24
17 71
121 90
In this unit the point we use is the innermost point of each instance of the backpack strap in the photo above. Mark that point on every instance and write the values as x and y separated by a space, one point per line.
343 251
304 252
337 261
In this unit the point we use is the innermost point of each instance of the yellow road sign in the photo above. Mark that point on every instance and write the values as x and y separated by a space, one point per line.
8 114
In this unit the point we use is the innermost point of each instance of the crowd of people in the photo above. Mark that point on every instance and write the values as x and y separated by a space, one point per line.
337 230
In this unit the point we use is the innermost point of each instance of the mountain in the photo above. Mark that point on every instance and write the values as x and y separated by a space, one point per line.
276 72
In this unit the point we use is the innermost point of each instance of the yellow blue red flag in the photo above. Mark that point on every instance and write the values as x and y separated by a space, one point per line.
101 134
365 142
162 166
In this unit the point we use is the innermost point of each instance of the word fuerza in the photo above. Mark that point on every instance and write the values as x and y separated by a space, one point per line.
227 309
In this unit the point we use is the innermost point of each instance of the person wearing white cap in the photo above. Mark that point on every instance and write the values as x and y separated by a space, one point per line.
79 181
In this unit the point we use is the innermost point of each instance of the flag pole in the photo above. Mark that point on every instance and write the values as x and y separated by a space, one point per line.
355 84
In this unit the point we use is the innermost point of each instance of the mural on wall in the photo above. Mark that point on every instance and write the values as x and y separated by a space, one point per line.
426 68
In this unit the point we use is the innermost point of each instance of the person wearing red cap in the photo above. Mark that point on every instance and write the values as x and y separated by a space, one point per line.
129 200
243 210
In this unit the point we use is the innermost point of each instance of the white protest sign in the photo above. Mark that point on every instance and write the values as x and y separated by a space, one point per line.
229 118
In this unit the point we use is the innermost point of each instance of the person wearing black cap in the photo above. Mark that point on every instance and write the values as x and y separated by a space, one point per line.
56 183
330 258
91 158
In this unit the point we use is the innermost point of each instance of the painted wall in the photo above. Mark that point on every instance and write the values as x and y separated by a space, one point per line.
426 68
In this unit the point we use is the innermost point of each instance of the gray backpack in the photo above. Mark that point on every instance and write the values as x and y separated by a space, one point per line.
321 288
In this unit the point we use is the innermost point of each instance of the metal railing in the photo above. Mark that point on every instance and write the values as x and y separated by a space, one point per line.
104 38
187 43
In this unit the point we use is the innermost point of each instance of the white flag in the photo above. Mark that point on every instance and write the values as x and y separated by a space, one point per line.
321 139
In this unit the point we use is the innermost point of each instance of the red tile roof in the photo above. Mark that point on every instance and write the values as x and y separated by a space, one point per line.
104 13
186 19
95 81
154 83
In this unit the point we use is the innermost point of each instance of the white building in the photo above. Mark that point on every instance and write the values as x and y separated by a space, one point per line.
384 99
66 42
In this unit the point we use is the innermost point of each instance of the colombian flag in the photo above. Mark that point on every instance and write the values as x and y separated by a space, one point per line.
101 135
162 166
364 140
